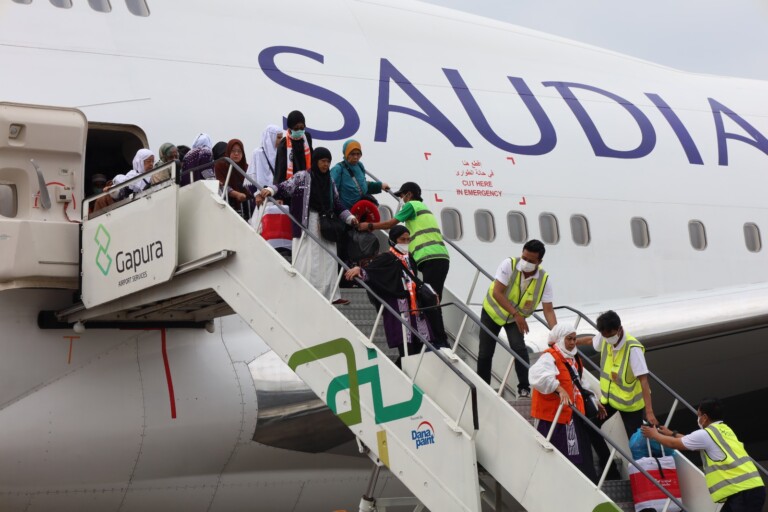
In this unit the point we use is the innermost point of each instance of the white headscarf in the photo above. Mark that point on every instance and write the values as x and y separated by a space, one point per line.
557 336
264 156
140 158
202 141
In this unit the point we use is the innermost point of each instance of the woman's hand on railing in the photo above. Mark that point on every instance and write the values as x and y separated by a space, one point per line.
352 273
564 398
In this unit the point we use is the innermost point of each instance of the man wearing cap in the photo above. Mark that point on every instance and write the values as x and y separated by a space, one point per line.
426 248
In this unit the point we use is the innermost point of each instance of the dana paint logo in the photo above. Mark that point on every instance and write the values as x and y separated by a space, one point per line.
423 435
103 259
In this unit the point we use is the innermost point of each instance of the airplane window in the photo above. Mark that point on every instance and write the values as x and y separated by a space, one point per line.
450 218
26 2
550 233
697 234
752 237
9 203
138 7
640 235
100 5
580 230
63 4
517 227
385 212
485 227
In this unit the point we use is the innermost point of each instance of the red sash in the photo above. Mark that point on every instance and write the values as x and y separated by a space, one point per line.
409 282
288 148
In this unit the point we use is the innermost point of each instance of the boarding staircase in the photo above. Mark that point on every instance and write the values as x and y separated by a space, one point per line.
430 424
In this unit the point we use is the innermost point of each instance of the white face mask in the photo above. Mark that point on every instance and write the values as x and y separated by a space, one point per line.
698 422
403 248
612 340
525 266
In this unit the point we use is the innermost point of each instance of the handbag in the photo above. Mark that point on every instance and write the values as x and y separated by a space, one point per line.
332 228
644 493
590 401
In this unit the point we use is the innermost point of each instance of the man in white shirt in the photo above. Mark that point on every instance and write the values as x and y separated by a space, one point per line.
520 285
731 475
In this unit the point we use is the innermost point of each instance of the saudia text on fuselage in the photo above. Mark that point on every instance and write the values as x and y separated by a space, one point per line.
130 261
569 91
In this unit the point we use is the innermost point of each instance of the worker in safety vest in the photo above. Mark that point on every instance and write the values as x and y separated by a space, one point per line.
731 476
427 248
520 285
624 383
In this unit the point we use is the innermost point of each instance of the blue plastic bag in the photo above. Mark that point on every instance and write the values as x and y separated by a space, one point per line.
638 445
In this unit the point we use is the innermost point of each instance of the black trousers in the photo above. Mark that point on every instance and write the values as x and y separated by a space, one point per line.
751 500
488 347
434 272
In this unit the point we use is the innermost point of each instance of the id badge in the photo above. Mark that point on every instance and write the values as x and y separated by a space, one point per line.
528 305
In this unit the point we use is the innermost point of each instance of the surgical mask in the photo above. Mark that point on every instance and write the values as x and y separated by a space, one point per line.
403 248
297 134
525 266
612 340
698 422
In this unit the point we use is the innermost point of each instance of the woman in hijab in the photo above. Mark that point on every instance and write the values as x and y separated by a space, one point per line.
236 191
294 152
391 276
311 194
263 161
143 162
556 379
168 153
200 154
349 176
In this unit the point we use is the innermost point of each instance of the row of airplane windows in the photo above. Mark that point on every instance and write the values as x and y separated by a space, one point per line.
135 7
517 228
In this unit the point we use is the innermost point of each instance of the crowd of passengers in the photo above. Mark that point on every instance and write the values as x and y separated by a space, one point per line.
288 167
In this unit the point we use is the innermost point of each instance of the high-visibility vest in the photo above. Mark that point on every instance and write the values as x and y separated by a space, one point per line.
426 238
735 473
544 407
625 393
526 303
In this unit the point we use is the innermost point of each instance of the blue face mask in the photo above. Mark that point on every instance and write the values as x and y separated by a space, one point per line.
297 134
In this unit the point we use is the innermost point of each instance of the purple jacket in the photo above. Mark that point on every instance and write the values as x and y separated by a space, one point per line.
297 190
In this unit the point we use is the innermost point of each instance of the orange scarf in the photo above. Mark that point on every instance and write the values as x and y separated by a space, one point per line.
410 283
288 148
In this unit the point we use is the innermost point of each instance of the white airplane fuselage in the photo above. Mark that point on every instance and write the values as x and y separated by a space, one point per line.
492 120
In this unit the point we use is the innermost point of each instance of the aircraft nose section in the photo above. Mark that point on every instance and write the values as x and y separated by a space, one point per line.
290 415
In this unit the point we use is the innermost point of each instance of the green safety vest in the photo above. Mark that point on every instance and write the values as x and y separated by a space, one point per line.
526 304
426 238
735 473
627 394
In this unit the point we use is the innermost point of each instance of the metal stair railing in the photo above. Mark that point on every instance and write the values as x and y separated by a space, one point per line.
233 167
468 314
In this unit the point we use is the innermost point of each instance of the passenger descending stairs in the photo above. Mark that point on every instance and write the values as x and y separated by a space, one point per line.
378 403
363 314
418 422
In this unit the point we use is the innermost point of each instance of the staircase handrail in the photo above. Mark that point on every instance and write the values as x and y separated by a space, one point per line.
234 167
481 270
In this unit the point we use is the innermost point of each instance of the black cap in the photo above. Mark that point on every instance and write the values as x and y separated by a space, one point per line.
411 187
396 232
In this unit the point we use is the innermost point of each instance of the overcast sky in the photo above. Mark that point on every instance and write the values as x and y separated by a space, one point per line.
723 37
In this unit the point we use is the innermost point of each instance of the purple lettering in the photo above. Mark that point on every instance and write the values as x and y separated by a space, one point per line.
350 115
758 140
548 138
600 148
429 113
691 151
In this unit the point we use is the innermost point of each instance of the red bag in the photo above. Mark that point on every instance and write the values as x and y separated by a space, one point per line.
645 493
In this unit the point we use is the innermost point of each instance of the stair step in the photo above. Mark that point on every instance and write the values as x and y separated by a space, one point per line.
619 490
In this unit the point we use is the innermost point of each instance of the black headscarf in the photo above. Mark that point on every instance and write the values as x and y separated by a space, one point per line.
294 118
320 186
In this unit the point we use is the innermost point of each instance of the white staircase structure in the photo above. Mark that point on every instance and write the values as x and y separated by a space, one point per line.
422 422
